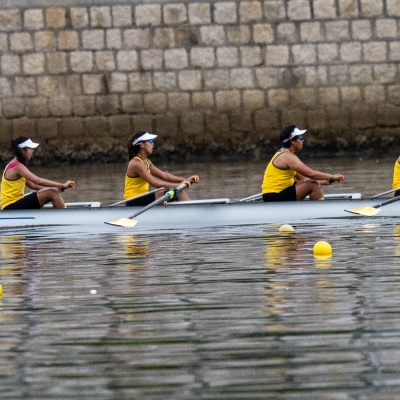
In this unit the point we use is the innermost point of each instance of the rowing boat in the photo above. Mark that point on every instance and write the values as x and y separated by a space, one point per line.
194 214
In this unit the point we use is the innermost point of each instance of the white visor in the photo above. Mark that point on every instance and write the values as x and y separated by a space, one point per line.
144 137
296 132
28 143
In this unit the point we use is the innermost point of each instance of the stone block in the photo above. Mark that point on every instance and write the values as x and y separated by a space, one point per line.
253 99
202 57
386 28
327 53
250 11
33 64
164 81
241 78
267 77
361 30
148 14
132 103
166 125
175 13
10 20
25 86
314 75
24 126
212 35
239 34
277 55
163 37
155 102
190 80
317 119
121 15
274 10
328 96
203 100
338 75
324 9
107 104
217 123
287 32
140 82
393 8
192 123
13 107
113 39
267 119
81 61
186 36
350 52
100 17
250 56
199 13
371 8
299 10
351 94
48 86
226 100
227 56
69 84
119 83
10 65
388 115
176 58
337 31
394 51
304 54
60 106
338 118
127 60
79 17
363 116
3 43
278 98
68 40
94 83
56 63
394 94
152 59
216 79
83 105
143 122
348 9
6 129
375 94
93 39
295 116
5 87
96 126
178 101
304 97
374 52
34 19
120 126
311 32
45 41
37 107
136 38
71 127
21 42
105 61
385 73
263 33
225 12
47 128
55 18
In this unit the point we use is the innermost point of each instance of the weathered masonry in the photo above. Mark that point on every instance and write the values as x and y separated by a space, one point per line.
210 77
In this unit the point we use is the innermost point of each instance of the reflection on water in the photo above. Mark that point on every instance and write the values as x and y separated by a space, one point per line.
225 314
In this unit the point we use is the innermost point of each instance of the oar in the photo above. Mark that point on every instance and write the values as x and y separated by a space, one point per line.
130 222
135 198
382 194
372 210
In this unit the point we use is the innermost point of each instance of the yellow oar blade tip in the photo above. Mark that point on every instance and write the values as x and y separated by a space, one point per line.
366 211
123 222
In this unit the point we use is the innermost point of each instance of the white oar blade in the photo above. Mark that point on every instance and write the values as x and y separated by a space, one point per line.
367 211
124 222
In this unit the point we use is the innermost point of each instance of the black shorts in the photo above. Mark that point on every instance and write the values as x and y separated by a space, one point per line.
28 202
142 201
288 194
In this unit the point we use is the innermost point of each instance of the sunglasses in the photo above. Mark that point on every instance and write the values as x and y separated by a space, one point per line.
150 141
300 137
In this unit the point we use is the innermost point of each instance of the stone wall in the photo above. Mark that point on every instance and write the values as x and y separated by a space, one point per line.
212 78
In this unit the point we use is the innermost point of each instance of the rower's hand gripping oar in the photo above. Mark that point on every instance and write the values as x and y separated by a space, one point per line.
130 222
373 210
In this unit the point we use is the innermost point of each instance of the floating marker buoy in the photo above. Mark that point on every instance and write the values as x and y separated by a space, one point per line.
286 229
323 249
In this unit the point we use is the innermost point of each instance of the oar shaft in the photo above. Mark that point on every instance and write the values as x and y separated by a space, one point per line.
392 200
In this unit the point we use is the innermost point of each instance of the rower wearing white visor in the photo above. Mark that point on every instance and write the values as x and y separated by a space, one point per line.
16 175
286 178
142 173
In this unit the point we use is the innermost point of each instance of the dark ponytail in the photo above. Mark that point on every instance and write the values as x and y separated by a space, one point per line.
17 151
133 150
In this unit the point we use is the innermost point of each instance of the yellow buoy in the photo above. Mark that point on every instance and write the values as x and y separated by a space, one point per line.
322 249
286 229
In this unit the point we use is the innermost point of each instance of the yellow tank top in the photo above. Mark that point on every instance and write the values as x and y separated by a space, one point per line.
396 176
136 186
11 191
276 179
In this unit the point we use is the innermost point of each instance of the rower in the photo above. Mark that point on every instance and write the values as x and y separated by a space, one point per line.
141 173
396 177
16 175
287 178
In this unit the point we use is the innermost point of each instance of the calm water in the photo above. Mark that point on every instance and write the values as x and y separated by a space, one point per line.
235 313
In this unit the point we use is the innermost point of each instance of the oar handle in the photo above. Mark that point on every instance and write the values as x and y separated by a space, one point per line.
397 198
